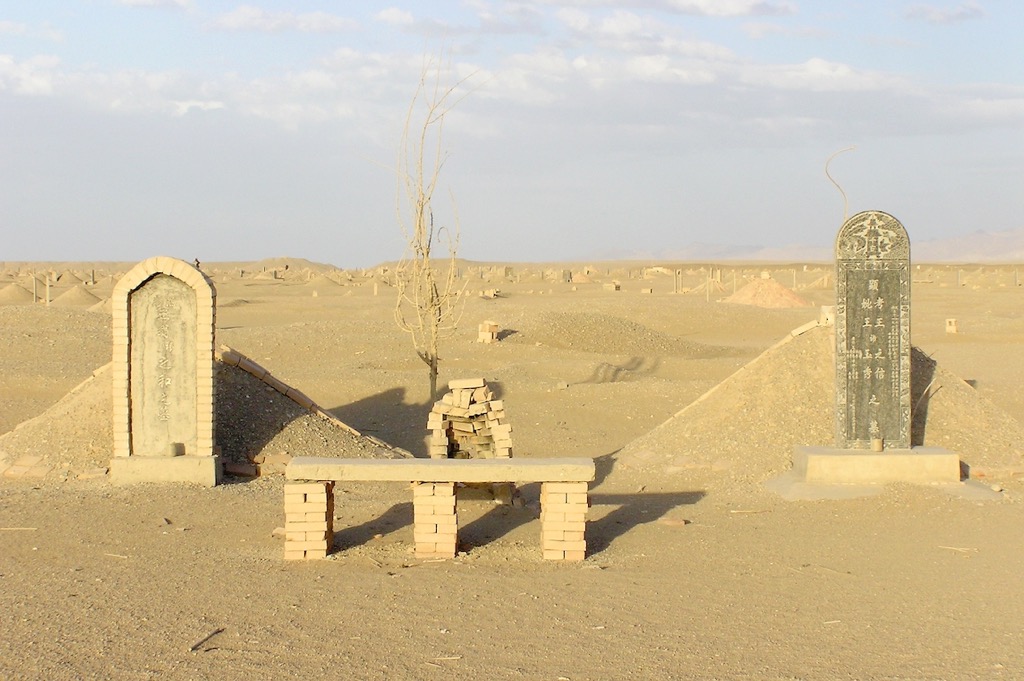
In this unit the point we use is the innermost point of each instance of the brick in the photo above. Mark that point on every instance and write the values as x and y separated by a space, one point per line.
306 507
553 554
439 521
305 488
420 537
575 555
303 526
553 526
501 430
229 356
300 398
565 545
249 366
306 545
294 554
566 535
436 502
463 383
566 487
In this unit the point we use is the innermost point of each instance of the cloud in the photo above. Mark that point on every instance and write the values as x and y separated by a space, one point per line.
938 15
818 75
395 17
184 4
758 30
33 77
706 8
250 18
730 8
512 18
182 108
13 28
627 32
16 28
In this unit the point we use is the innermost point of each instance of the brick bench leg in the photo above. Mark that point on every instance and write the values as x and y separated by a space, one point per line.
436 520
308 519
563 520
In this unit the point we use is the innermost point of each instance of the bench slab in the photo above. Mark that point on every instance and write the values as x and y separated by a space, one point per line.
576 469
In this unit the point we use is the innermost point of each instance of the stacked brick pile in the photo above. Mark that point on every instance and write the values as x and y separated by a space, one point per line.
436 522
469 423
487 332
563 520
308 519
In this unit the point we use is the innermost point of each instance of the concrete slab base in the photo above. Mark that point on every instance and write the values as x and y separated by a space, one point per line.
920 465
200 470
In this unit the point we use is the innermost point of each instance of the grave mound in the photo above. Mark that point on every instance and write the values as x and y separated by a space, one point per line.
604 334
767 293
76 296
13 294
255 422
742 432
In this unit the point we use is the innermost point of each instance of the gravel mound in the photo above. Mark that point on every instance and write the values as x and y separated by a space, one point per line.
13 294
75 434
76 296
767 293
607 335
743 431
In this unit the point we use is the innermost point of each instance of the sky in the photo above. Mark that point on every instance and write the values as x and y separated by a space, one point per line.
579 129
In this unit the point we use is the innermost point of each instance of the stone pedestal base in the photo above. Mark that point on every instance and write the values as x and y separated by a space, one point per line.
201 470
827 465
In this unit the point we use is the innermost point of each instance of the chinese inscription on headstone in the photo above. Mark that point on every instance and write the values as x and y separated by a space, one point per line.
872 332
163 366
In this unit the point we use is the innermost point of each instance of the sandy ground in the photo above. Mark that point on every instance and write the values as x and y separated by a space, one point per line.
695 570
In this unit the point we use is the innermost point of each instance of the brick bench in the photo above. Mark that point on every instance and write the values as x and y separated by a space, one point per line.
309 499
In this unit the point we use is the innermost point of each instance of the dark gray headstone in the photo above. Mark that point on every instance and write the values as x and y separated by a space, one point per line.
872 332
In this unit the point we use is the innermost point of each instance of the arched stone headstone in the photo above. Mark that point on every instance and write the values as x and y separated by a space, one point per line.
873 404
872 333
163 352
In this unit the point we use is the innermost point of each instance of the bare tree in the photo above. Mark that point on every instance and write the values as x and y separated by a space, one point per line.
428 306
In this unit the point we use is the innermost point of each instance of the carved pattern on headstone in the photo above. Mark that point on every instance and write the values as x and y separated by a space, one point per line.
872 332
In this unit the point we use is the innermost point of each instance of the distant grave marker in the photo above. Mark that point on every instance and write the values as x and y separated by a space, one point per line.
872 333
163 397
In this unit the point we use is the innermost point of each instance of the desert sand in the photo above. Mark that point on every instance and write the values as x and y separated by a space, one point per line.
697 567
